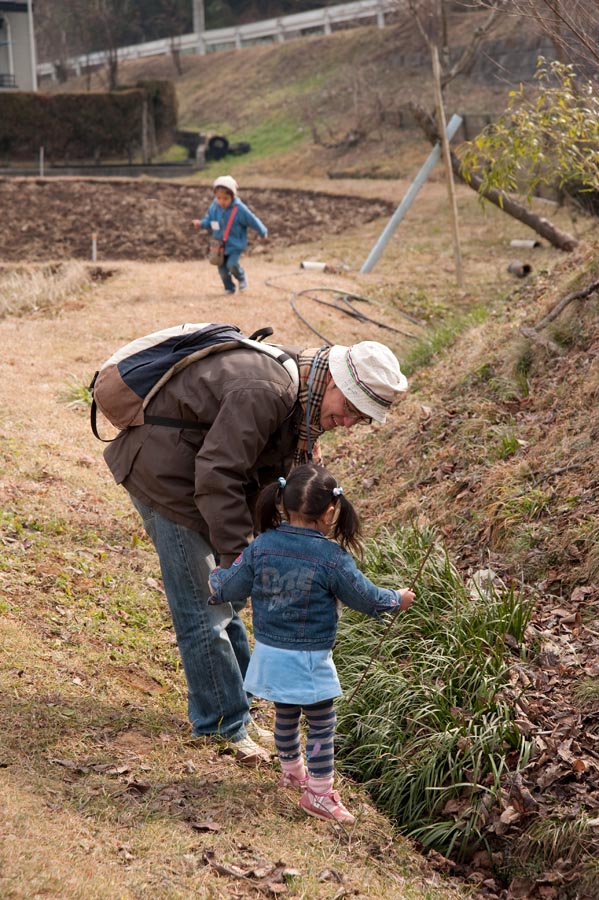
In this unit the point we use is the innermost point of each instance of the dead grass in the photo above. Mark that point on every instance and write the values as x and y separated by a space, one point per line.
101 785
26 289
103 794
326 87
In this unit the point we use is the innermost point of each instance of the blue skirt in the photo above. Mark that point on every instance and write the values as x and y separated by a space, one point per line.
301 677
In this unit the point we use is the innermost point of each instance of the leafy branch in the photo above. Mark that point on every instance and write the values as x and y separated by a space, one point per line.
551 138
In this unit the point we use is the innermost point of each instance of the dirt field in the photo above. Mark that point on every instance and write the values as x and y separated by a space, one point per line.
151 221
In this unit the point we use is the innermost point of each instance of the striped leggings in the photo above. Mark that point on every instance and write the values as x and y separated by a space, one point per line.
320 751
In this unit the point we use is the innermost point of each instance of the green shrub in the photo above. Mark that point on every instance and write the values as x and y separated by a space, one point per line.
428 730
86 125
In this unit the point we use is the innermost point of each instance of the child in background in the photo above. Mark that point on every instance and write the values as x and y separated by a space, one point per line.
227 203
295 576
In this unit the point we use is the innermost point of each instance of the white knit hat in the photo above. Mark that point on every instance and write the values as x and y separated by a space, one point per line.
368 375
226 181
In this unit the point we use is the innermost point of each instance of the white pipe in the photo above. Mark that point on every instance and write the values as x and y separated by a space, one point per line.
452 127
519 269
526 243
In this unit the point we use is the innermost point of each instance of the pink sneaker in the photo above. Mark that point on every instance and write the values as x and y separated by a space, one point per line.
287 780
326 806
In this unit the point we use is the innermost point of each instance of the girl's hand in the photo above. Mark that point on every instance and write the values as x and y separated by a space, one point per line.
196 223
406 598
213 581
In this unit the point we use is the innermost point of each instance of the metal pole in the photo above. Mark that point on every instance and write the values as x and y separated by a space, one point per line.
199 25
11 59
32 46
398 215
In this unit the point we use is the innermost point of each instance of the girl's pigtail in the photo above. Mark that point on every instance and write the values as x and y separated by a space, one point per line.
268 514
347 529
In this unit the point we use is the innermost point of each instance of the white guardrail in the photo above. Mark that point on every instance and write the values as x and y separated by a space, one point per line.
223 38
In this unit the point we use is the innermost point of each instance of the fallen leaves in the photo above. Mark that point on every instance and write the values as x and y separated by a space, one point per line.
263 876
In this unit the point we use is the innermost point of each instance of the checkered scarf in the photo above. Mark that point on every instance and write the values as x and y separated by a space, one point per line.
319 358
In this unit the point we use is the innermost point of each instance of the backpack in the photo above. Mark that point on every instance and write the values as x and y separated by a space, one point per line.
124 384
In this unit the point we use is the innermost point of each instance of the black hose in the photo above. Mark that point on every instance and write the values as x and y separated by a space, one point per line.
350 311
342 303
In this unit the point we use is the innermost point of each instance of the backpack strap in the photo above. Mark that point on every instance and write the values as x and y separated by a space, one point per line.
235 338
174 423
260 334
93 413
232 215
281 356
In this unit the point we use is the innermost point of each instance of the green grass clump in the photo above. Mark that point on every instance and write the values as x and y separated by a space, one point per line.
429 729
551 839
76 394
439 340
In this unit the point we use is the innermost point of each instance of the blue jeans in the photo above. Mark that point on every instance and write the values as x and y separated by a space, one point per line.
212 640
231 266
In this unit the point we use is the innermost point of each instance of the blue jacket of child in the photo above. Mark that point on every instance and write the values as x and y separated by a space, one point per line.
294 576
244 219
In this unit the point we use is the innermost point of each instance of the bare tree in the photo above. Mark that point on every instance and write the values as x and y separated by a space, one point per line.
431 20
173 20
69 28
104 24
58 33
572 26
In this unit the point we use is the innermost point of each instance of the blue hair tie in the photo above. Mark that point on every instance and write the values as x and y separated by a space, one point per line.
337 491
282 482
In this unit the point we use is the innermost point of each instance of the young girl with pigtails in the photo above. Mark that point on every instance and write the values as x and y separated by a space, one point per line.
295 575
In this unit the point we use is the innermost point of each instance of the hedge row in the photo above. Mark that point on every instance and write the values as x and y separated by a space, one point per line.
88 125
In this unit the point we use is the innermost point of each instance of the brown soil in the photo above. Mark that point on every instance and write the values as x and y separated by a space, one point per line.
55 219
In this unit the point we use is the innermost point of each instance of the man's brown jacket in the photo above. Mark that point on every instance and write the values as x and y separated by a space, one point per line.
208 480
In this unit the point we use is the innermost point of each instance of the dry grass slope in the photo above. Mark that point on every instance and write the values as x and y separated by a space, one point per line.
102 792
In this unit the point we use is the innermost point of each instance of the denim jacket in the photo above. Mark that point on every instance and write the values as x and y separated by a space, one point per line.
294 577
244 219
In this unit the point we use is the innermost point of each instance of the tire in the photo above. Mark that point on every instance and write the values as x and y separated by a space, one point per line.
238 149
217 147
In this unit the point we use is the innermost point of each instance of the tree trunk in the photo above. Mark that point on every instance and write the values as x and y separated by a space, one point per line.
543 227
113 69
